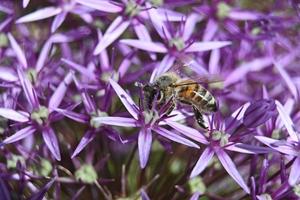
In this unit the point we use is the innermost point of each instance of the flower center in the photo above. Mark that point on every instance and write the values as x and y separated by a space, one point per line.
94 122
178 43
31 74
150 117
86 173
110 74
223 10
132 9
40 115
221 137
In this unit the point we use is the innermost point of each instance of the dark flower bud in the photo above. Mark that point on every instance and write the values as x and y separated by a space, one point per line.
259 112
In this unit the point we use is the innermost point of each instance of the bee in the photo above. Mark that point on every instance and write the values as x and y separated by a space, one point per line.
169 87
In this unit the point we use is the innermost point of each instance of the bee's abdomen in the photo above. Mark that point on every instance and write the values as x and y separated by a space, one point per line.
204 100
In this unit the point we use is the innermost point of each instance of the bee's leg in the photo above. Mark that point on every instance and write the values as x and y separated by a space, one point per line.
199 118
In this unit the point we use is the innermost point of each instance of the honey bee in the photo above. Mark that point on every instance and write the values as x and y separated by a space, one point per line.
169 87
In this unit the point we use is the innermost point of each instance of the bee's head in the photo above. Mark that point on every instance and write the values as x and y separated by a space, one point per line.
166 80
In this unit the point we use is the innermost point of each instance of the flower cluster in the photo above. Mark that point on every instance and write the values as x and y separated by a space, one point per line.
76 122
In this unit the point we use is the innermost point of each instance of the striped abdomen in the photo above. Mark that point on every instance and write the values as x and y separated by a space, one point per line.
189 92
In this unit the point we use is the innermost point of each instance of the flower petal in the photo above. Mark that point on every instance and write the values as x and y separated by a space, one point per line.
18 51
174 137
28 89
189 26
105 6
145 45
81 69
164 66
247 148
280 146
4 192
25 3
111 36
7 74
295 172
157 22
81 118
116 121
13 115
287 121
50 140
85 140
203 161
125 98
19 135
231 169
187 131
58 20
243 15
240 72
144 146
40 14
43 55
42 191
60 92
206 46
287 79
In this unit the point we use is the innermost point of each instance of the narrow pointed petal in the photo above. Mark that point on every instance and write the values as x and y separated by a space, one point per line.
170 15
163 67
50 140
144 195
116 121
174 137
18 51
21 134
13 115
81 69
214 66
206 46
287 121
210 30
125 98
110 37
144 35
81 118
60 92
4 23
203 161
42 192
231 169
247 148
195 196
286 77
144 146
243 15
295 172
240 72
157 22
145 45
280 146
85 140
43 55
104 60
25 3
40 14
58 20
105 6
187 131
28 89
4 192
189 25
7 74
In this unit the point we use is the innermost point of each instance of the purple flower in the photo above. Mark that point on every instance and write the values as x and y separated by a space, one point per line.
38 117
288 147
148 121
